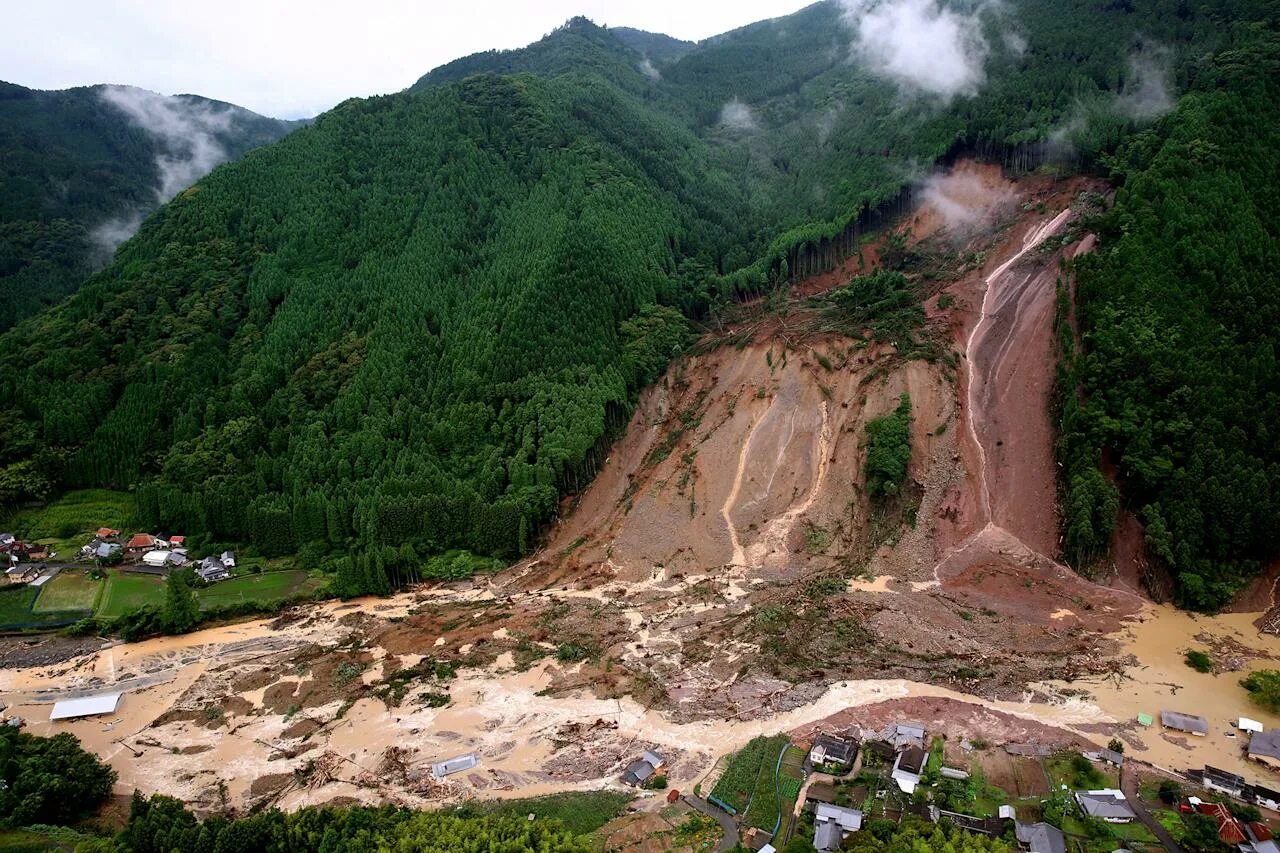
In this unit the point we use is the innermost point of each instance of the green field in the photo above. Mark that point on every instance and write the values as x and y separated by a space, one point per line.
15 604
127 592
72 589
68 522
266 587
758 758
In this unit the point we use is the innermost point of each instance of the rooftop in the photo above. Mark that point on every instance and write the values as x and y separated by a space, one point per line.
1266 744
1184 722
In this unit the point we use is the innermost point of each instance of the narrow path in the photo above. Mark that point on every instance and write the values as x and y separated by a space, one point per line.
1129 784
730 839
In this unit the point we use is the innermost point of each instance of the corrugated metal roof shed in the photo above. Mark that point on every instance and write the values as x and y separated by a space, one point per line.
88 706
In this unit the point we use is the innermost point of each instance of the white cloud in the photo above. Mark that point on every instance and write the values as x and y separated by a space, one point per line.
919 45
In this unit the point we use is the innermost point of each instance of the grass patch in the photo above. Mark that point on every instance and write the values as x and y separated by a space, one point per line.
15 604
264 588
127 592
1077 772
72 589
581 812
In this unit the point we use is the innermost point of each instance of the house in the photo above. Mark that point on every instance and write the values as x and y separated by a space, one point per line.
904 734
7 541
30 551
164 559
908 767
105 550
211 570
1039 838
457 764
139 544
23 572
1259 839
228 559
177 541
1267 798
832 824
1106 804
1264 747
882 750
828 750
1111 756
1219 780
1180 722
1230 830
1145 719
640 770
106 533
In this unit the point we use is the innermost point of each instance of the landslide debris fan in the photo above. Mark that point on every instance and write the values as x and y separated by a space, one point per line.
415 324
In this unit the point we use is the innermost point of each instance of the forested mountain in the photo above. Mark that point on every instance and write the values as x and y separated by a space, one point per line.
415 324
79 168
1181 320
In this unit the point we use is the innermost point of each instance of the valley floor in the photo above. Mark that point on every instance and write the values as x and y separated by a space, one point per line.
724 577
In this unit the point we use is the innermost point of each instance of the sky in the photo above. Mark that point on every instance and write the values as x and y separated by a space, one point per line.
296 58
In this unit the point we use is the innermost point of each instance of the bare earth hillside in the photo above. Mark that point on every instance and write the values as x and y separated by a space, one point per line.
724 575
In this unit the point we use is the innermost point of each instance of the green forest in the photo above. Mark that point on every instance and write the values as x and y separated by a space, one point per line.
413 326
1180 316
71 162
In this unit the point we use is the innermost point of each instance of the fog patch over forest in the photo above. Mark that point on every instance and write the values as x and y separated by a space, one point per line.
188 148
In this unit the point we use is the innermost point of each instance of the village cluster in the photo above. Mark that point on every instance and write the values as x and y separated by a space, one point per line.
149 553
837 783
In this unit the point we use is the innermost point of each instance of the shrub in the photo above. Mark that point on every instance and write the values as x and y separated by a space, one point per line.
1199 661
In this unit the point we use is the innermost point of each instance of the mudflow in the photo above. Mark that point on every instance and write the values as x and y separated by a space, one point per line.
724 576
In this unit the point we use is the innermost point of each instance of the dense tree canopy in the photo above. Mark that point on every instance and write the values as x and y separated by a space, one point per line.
1180 314
71 162
49 780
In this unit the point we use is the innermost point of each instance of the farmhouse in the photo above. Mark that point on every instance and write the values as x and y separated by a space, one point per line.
1039 838
1189 723
832 824
139 544
1230 830
228 560
906 733
211 570
1264 747
908 767
162 559
106 533
640 770
23 572
828 750
1106 804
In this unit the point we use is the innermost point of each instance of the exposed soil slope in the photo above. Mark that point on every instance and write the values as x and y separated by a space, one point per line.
724 575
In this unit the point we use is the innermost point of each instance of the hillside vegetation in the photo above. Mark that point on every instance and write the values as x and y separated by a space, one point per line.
415 325
1181 320
74 163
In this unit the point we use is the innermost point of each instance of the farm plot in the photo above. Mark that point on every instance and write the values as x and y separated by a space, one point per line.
127 592
738 782
72 589
263 588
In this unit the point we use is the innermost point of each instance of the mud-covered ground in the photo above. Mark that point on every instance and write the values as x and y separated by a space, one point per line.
724 576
